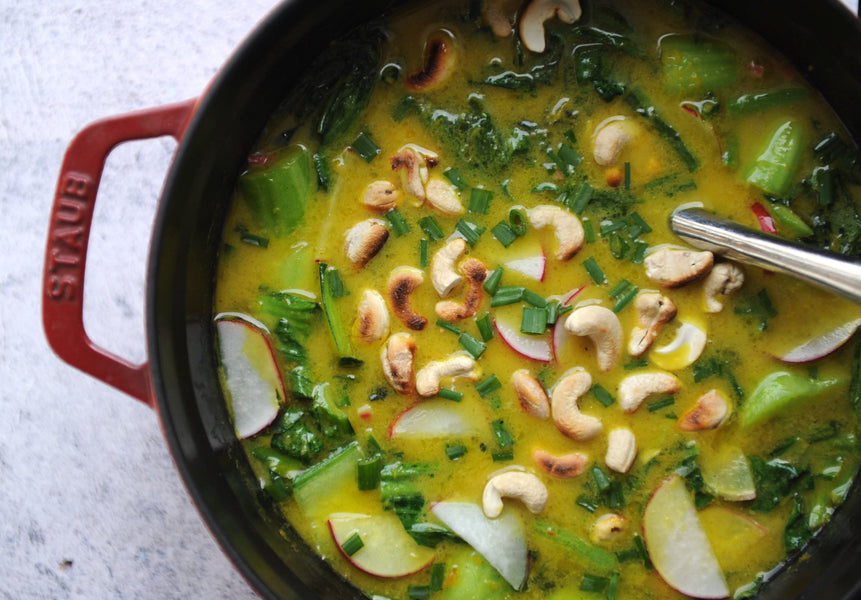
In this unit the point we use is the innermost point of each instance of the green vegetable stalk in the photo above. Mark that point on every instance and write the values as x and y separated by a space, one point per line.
778 392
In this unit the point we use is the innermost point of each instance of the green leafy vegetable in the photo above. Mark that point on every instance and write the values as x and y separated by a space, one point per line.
778 392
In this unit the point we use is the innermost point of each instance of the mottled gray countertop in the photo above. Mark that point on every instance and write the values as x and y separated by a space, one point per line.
91 506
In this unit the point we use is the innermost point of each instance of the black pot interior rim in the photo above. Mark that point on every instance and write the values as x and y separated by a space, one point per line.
180 290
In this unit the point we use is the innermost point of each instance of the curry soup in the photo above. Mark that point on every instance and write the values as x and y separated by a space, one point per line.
448 287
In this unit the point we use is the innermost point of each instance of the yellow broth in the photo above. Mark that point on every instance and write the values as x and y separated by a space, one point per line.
660 182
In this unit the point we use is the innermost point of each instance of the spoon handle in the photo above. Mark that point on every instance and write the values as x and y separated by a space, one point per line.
821 268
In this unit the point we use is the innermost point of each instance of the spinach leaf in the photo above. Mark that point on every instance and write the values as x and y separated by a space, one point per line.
797 533
774 480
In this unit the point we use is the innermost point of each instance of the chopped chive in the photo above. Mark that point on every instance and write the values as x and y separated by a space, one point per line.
517 220
638 226
600 478
593 583
456 179
589 231
534 320
570 137
253 239
627 180
374 445
368 471
455 451
662 403
488 386
365 147
504 234
626 298
278 488
602 395
469 230
418 592
507 294
447 394
641 546
534 299
567 159
639 252
485 327
448 327
475 347
584 194
479 200
437 576
564 197
595 272
352 545
423 253
491 284
608 227
503 438
334 283
552 312
399 224
431 228
545 186
636 364
590 504
502 455
504 185
613 586
620 288
618 246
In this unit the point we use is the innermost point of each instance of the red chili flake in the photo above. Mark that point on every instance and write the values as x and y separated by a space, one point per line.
766 223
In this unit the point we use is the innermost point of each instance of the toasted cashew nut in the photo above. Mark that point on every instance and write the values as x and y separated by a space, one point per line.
397 357
364 240
608 528
621 450
381 195
533 399
443 275
416 164
533 18
475 273
402 282
439 61
372 320
602 326
724 279
654 311
672 268
525 487
636 388
459 364
566 466
709 412
569 230
565 411
609 140
442 196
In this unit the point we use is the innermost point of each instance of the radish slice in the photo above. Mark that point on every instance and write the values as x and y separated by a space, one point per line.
432 419
251 375
387 550
500 541
678 545
531 266
821 345
536 347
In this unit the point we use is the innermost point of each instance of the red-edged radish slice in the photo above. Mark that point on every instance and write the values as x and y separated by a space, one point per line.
536 347
533 266
678 545
252 378
432 419
500 541
821 345
386 549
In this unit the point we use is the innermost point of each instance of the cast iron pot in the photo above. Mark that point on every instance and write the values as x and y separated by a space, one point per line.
215 133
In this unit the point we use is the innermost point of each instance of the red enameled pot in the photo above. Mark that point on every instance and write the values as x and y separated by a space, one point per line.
215 133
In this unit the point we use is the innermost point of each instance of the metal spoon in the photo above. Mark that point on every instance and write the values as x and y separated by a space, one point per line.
827 270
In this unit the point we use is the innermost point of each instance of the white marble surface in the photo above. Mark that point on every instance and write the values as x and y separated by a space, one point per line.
90 504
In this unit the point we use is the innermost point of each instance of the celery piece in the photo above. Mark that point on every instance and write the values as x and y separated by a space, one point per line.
694 64
277 462
778 392
592 555
774 169
312 486
339 332
749 103
277 193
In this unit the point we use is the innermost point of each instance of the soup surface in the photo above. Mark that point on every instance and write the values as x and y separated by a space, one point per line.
466 354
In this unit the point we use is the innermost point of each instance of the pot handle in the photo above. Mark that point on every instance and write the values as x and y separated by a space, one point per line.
68 237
